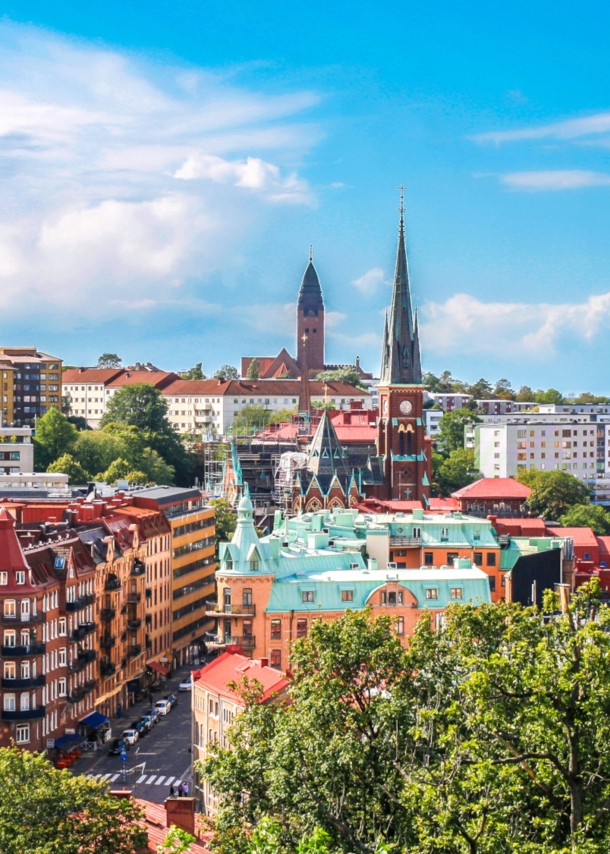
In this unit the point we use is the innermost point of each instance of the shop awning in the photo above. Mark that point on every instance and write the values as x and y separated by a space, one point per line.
160 668
68 742
95 720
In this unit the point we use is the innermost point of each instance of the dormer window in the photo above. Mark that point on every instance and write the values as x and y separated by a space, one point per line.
20 577
254 564
229 563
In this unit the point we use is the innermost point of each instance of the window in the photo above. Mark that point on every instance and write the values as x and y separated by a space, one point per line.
301 628
492 584
276 629
247 596
20 577
428 558
451 556
9 670
478 558
431 593
62 656
254 564
491 558
23 733
400 626
10 637
456 592
9 702
62 688
62 626
247 629
444 533
10 608
521 434
3 577
276 658
307 596
347 595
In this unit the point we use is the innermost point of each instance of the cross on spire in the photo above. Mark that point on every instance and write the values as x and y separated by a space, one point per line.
401 209
310 252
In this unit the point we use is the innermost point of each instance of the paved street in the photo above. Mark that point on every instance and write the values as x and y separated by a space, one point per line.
159 759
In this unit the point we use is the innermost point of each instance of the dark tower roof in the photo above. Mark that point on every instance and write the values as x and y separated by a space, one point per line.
310 293
326 456
400 355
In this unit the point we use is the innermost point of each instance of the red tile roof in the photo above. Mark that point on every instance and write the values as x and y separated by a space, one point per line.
494 488
232 667
11 556
158 379
260 388
443 505
583 537
90 375
520 527
155 819
378 505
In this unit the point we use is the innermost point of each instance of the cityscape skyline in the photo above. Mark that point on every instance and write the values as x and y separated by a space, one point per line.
161 191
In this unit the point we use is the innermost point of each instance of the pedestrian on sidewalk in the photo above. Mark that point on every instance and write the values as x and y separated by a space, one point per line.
185 789
172 791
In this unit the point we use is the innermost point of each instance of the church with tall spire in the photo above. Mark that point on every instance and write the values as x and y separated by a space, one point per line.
402 447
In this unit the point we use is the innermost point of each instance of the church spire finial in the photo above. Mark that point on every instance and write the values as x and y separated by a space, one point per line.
310 252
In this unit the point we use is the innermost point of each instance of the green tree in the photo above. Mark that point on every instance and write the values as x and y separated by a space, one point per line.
250 420
140 405
455 471
283 415
194 373
67 464
47 811
587 516
347 375
109 360
225 520
525 395
553 492
177 841
117 470
481 390
451 429
226 372
54 437
549 396
587 397
254 369
95 450
503 390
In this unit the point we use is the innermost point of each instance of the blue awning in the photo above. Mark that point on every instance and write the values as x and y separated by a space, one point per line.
67 742
95 719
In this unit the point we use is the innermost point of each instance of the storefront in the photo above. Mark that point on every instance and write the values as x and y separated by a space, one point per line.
95 728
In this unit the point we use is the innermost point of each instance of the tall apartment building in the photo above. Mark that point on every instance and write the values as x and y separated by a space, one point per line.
193 563
505 449
31 383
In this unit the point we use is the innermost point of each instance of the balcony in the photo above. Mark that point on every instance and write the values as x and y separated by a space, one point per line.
134 625
34 648
134 598
22 619
138 568
107 668
80 603
82 631
76 695
213 609
248 642
27 715
107 641
89 686
32 682
108 613
112 583
414 542
133 651
87 655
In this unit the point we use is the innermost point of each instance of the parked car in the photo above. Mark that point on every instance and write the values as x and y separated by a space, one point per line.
148 722
130 735
163 707
154 714
139 725
187 685
171 698
118 744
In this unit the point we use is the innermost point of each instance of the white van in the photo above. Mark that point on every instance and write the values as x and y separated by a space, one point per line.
164 707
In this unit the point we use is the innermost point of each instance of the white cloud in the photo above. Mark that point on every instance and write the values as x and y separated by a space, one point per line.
561 179
370 281
333 318
534 329
569 129
125 182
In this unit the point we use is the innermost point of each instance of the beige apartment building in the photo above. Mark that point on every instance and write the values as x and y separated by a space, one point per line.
31 384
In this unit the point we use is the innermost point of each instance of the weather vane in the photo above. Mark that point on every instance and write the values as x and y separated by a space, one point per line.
402 189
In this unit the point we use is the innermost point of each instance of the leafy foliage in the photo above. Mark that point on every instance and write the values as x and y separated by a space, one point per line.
140 405
489 736
226 372
47 811
109 360
341 375
451 429
177 841
251 419
67 464
587 516
195 373
254 369
453 472
553 492
225 520
54 437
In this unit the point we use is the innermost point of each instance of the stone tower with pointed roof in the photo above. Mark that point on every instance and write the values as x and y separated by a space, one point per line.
401 441
310 320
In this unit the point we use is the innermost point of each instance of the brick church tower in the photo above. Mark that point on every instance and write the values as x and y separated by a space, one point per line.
401 440
310 321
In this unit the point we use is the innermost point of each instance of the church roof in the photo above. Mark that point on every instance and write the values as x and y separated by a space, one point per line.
326 457
400 355
310 293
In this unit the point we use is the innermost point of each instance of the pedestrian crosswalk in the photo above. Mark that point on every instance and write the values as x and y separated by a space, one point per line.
143 779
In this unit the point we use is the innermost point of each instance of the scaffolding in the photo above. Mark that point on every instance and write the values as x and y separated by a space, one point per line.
284 467
215 456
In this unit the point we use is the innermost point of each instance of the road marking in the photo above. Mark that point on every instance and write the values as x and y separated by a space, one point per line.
114 777
140 779
91 776
150 779
168 782
105 778
159 781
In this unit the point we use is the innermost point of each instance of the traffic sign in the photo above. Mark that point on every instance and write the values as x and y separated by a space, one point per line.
123 755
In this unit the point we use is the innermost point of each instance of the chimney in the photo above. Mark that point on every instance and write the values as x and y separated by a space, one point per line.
564 596
181 812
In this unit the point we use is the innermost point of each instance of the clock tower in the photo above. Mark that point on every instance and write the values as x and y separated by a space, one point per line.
401 434
310 320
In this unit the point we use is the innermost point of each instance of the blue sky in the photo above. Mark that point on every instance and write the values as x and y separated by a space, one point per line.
166 166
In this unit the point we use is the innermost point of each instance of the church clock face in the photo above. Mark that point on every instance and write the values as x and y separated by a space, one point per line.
406 407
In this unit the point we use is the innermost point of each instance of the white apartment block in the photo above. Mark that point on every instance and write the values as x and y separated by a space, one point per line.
503 450
16 450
